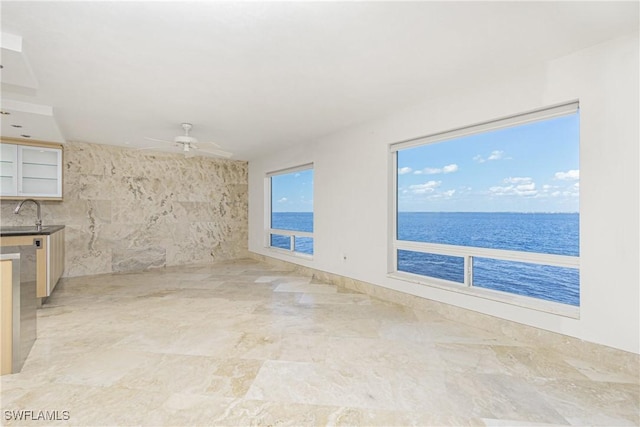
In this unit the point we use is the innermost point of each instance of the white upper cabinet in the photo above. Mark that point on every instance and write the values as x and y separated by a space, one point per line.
8 170
39 171
31 171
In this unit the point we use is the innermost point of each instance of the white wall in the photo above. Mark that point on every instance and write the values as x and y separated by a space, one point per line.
352 187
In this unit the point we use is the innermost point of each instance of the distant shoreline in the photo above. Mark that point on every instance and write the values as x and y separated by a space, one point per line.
496 212
457 212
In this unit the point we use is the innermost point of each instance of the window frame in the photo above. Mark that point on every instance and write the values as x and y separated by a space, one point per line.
469 252
269 231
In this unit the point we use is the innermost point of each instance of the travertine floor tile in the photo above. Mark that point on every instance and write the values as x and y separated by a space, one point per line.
242 344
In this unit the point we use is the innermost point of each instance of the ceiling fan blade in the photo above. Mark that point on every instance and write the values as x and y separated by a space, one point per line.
210 143
159 140
150 148
217 153
162 149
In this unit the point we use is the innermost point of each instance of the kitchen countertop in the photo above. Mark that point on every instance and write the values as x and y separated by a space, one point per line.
29 230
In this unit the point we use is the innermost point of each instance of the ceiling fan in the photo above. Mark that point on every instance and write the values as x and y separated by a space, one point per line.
189 145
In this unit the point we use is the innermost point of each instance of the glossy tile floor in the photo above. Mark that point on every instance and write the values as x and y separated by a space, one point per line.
240 344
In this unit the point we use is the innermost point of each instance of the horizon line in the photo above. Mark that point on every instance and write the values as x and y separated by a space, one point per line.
518 212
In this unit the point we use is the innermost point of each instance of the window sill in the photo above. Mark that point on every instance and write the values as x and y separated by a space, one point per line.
502 297
290 253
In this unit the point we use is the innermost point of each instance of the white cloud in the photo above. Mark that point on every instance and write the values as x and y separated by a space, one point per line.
570 175
518 180
572 190
441 195
404 170
450 168
495 155
427 187
526 187
566 190
433 171
520 186
284 199
549 191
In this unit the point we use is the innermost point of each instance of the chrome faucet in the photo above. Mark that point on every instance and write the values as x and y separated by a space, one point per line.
39 220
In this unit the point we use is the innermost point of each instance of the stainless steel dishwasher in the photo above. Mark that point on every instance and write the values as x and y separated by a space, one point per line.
23 300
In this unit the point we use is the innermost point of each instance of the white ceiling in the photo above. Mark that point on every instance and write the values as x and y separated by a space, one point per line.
258 76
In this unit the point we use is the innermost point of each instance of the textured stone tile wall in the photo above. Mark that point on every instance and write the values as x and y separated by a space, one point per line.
128 210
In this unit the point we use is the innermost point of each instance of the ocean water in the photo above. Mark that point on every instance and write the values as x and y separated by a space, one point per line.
549 233
296 221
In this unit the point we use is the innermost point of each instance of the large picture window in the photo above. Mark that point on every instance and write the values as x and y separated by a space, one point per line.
493 206
290 196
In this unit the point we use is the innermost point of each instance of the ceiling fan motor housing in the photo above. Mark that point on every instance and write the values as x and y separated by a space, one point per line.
183 139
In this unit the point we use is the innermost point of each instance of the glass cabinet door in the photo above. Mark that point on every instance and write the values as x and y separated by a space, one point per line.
8 169
40 171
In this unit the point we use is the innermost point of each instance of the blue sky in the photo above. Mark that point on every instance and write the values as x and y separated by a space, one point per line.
527 168
292 192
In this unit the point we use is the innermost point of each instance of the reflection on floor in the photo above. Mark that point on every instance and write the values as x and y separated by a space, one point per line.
242 344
